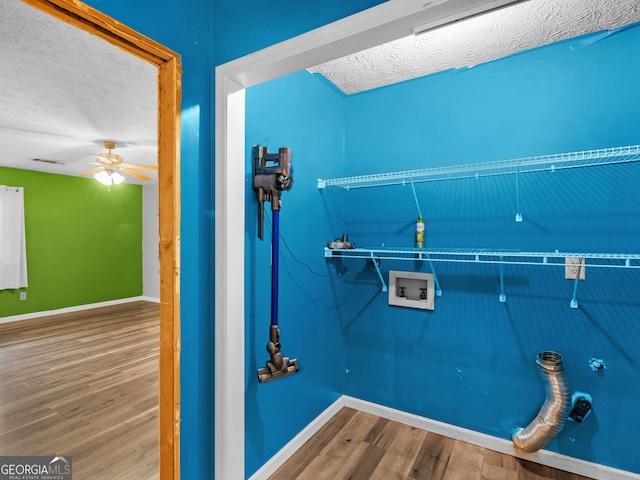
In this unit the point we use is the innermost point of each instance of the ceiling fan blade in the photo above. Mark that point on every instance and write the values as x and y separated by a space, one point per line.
139 166
44 160
92 171
135 174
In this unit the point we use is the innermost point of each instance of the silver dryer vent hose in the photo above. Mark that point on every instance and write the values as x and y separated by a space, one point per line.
555 409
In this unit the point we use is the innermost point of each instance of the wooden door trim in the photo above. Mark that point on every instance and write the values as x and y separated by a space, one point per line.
97 23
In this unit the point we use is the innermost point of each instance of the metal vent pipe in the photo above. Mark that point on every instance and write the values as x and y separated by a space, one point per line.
555 409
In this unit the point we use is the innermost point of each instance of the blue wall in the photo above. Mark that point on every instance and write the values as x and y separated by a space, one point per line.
471 362
300 112
207 34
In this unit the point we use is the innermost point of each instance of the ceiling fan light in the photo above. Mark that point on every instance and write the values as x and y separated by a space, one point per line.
106 178
117 178
103 177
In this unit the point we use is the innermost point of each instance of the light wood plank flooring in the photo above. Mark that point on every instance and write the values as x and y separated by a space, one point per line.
355 445
84 384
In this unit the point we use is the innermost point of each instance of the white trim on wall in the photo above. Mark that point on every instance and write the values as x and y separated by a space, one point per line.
388 21
229 281
76 308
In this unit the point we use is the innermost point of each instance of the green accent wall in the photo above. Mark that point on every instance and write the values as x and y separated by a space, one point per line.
84 241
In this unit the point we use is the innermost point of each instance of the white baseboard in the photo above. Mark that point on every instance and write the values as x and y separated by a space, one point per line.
543 457
290 448
147 299
77 308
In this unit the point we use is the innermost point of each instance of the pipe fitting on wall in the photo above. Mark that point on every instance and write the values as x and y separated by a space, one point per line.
554 411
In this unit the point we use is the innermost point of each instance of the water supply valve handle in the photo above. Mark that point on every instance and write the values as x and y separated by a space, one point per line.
272 174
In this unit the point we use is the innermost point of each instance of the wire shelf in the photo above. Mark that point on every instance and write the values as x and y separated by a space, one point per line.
499 257
504 257
559 161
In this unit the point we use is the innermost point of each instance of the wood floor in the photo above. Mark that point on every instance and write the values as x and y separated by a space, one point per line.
84 385
355 445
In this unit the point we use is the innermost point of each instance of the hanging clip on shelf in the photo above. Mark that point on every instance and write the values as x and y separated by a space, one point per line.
574 299
518 213
502 297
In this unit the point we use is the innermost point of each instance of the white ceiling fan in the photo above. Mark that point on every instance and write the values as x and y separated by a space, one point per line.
109 165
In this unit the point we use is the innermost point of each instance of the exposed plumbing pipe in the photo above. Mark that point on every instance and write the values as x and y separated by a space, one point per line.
554 411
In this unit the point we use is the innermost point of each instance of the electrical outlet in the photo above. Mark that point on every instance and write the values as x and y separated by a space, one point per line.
23 295
574 268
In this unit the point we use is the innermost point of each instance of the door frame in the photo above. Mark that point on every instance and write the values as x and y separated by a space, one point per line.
385 22
97 23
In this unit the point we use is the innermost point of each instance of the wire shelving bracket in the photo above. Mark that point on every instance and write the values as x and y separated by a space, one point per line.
487 256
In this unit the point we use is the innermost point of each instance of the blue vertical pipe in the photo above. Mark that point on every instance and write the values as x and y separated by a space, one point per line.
275 237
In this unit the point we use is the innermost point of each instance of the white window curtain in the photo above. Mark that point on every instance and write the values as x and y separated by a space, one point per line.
13 248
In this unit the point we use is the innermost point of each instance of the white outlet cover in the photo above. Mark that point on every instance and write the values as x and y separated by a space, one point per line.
574 268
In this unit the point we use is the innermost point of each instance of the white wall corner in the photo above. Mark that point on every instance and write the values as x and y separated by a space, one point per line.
298 441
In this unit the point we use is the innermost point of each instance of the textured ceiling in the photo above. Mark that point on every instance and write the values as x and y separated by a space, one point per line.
64 91
477 40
